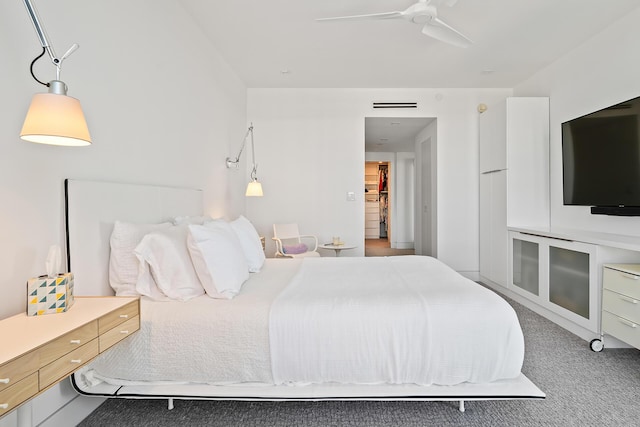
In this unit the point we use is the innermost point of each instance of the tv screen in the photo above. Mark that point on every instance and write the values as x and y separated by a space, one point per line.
601 157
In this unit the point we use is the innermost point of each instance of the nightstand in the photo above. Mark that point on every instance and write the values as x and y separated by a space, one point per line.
37 352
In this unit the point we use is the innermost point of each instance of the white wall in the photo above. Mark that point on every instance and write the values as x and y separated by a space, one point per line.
426 191
310 146
405 183
162 108
603 71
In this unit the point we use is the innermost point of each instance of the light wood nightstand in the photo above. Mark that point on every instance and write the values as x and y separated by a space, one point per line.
37 352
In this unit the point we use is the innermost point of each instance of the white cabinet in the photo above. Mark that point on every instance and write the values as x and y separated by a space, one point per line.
621 302
371 201
493 138
514 177
559 275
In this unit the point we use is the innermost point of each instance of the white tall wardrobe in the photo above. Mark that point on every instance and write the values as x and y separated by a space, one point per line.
514 177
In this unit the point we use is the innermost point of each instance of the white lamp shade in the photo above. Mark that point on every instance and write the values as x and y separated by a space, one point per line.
55 119
254 189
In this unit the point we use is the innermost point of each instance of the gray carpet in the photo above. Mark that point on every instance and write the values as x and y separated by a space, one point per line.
583 388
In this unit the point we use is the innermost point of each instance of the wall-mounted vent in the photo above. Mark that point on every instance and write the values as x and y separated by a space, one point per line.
395 105
619 107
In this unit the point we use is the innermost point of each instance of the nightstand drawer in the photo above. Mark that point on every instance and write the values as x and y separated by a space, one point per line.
68 363
17 369
622 329
18 393
119 333
622 282
118 316
68 342
621 305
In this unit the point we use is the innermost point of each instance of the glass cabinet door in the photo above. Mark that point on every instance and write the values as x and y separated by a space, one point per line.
569 280
526 262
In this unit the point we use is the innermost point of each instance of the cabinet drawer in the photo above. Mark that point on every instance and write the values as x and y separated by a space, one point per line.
18 393
68 363
621 305
622 329
17 369
67 342
116 317
624 283
372 216
119 333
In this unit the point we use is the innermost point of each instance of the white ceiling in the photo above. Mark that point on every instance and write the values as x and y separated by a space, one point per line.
278 43
392 134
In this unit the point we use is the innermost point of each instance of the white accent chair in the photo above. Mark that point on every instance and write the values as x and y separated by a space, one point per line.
288 237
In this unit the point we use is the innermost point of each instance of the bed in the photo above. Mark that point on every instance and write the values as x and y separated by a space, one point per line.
387 328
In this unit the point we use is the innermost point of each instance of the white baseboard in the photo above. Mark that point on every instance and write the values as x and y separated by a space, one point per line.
73 412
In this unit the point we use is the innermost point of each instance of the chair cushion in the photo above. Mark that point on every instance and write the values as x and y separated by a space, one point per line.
299 248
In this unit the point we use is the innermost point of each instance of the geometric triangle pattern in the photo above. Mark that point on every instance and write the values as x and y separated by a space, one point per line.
46 295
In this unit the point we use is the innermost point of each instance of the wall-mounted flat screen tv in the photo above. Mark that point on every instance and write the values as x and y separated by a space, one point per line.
601 160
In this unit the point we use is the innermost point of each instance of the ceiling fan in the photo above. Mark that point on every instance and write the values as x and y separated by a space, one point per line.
425 13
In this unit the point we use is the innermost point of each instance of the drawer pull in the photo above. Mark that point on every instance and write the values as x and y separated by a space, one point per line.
626 322
4 380
124 316
4 405
630 276
124 332
77 361
74 342
627 299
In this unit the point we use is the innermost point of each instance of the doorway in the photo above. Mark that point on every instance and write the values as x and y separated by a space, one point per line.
403 148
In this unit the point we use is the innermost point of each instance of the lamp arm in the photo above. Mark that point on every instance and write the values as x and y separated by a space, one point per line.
234 162
253 157
42 36
44 42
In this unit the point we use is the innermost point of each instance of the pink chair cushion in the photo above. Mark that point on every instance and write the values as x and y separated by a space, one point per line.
300 248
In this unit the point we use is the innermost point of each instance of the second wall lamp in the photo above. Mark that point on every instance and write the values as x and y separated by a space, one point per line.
254 188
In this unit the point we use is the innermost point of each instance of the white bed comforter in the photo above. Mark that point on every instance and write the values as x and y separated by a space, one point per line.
352 320
204 340
391 320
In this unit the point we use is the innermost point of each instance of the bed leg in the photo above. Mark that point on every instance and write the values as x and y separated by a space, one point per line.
461 408
170 404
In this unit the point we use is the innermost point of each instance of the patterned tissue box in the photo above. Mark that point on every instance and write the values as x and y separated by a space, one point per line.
46 295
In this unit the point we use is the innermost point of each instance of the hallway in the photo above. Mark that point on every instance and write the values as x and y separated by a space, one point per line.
382 247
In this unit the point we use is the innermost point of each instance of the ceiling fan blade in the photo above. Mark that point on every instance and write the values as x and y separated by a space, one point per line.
385 15
439 30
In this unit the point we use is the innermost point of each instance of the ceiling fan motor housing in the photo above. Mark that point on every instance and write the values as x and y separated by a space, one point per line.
420 13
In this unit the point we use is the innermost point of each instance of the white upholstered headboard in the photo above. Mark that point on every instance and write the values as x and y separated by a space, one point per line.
92 207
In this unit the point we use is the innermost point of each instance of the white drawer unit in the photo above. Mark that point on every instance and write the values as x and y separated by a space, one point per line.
372 219
620 304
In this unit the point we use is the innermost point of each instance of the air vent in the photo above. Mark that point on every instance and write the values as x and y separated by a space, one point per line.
619 107
395 105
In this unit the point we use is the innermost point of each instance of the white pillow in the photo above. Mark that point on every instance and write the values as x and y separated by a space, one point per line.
250 242
165 266
218 259
123 264
180 220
